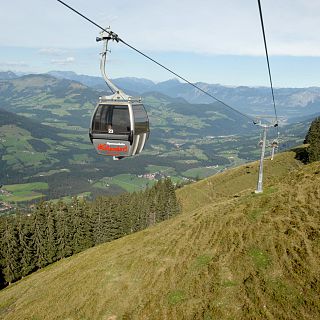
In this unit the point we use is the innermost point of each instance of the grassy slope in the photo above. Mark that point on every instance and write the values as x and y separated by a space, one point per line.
230 255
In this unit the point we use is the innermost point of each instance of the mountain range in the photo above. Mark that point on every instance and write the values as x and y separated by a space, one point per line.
291 102
44 137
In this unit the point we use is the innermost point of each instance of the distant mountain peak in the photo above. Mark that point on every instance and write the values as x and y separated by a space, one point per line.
7 75
170 81
62 74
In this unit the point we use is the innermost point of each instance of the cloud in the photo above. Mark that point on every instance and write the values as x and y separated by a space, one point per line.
63 62
52 51
13 64
215 27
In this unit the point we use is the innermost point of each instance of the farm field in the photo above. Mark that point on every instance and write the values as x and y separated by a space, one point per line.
127 182
200 173
24 192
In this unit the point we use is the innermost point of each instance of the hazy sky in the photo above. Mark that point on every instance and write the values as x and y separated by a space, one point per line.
205 40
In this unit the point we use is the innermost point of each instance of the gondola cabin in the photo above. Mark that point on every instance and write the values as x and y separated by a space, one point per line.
274 144
119 127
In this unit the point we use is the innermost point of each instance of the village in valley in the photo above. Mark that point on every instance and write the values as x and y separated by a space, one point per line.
4 206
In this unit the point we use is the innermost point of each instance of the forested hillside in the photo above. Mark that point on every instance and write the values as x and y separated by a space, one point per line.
52 231
313 139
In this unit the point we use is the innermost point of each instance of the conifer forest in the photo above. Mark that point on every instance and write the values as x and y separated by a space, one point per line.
313 139
53 231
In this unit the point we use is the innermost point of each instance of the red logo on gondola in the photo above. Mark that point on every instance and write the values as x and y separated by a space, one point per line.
108 148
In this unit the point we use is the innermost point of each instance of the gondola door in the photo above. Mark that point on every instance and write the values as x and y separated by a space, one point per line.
112 130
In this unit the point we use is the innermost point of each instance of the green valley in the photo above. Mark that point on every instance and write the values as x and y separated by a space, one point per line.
44 139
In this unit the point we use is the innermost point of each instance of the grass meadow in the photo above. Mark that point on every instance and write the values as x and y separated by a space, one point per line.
231 254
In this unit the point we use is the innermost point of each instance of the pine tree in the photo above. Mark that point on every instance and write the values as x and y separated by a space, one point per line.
50 232
313 139
172 203
10 252
63 231
160 200
139 208
113 212
151 207
99 221
2 229
125 214
27 260
39 237
82 236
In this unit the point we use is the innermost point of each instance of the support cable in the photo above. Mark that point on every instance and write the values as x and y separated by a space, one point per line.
267 57
116 38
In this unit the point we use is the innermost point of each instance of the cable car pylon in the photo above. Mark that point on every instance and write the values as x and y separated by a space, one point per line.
265 127
274 145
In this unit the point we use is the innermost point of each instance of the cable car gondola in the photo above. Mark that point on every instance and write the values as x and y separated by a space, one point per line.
274 144
119 124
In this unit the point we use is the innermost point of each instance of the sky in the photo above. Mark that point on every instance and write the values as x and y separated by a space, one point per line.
205 41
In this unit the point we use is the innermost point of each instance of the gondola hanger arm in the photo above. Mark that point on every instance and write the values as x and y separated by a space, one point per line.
106 36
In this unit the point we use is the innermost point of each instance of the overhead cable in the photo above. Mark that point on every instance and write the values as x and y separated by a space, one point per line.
267 57
115 37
